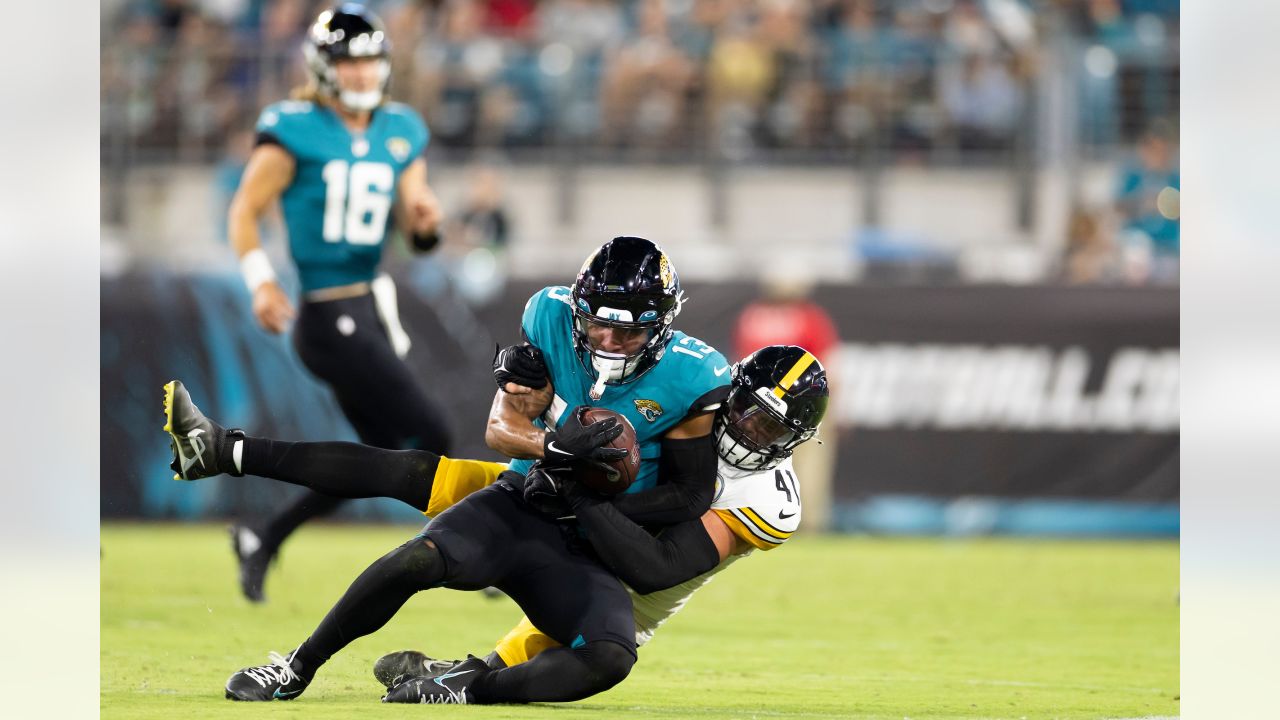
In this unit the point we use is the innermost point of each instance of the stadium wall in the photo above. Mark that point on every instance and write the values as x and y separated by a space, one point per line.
958 409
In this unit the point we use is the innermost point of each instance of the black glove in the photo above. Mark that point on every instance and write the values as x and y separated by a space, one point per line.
521 364
575 441
542 489
425 242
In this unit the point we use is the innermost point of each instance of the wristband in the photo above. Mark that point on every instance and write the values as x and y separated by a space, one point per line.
256 269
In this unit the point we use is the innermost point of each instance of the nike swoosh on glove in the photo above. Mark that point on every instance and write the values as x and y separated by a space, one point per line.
575 441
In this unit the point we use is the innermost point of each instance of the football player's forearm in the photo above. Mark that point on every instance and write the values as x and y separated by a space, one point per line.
510 430
686 485
517 443
242 227
646 563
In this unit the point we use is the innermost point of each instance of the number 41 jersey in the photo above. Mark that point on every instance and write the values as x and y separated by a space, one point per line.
762 507
337 208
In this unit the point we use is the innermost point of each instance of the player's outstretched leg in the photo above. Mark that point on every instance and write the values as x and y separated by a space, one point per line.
277 680
201 447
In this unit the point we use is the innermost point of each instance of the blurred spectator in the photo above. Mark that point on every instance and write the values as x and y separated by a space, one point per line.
1147 196
646 82
982 100
1091 253
785 315
475 241
675 75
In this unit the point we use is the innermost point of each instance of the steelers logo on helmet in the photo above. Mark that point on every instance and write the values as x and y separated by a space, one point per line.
346 32
625 298
777 399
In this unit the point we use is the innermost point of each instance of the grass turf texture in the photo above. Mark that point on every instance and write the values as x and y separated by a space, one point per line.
822 628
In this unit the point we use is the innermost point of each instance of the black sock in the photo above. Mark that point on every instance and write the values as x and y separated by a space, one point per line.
557 675
344 470
371 601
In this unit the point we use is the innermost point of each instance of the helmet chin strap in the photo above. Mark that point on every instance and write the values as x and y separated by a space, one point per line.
360 101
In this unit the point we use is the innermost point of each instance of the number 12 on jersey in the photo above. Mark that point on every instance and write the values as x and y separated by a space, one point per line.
357 198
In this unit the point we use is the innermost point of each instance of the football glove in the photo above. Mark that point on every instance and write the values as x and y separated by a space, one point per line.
542 489
573 441
520 364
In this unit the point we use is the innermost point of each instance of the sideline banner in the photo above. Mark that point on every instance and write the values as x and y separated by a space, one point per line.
1006 392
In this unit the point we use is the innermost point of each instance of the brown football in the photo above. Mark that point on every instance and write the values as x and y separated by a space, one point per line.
628 467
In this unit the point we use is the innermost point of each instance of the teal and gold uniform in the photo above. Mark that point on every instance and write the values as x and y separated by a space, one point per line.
654 403
337 209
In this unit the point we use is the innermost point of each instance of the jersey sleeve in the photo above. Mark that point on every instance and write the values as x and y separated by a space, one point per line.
761 508
278 124
537 319
752 527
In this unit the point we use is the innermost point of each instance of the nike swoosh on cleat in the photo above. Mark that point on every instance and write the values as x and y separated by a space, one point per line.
279 694
552 447
440 680
721 371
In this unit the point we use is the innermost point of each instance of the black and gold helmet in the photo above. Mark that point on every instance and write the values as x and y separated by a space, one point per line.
630 284
341 32
776 401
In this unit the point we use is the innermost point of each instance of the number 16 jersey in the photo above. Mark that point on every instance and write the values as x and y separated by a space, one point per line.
337 208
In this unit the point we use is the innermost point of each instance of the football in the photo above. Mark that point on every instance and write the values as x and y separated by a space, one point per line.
628 467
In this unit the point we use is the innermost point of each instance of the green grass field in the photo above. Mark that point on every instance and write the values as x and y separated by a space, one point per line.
821 628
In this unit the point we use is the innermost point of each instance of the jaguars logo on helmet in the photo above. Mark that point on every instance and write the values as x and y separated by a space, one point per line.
648 408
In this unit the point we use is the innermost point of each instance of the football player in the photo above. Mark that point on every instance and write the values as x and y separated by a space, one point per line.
776 402
614 344
339 157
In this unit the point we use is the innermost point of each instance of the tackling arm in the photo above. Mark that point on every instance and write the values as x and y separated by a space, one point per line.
686 474
645 562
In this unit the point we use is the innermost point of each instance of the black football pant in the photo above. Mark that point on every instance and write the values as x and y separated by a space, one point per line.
493 537
343 343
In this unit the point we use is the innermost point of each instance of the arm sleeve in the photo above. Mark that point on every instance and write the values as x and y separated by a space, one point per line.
686 485
645 562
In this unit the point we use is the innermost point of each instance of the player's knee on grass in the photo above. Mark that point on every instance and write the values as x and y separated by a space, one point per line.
608 663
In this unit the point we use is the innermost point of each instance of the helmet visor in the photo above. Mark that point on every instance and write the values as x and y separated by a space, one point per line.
753 425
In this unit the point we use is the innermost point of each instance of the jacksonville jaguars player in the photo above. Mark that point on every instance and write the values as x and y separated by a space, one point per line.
776 402
339 157
617 339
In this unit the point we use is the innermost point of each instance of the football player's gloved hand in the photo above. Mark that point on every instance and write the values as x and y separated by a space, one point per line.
573 492
542 489
575 441
425 242
521 364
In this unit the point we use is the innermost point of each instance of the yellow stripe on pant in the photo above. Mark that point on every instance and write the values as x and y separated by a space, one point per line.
456 479
523 643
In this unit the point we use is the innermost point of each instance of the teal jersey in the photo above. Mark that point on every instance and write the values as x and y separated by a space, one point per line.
654 403
337 209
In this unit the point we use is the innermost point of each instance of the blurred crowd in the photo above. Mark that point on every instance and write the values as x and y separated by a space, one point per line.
728 76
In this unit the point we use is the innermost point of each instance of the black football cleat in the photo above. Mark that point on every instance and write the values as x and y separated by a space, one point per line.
253 558
199 444
448 688
275 681
409 663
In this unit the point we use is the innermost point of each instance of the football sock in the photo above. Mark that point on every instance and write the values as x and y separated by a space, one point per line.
340 470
